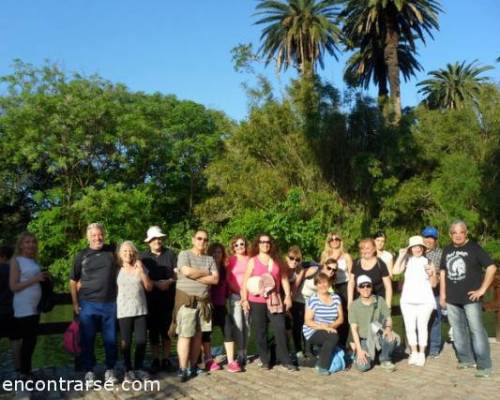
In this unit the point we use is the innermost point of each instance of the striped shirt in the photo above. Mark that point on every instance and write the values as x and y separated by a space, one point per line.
191 286
323 313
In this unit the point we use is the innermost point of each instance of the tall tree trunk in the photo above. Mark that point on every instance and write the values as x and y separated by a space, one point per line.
391 60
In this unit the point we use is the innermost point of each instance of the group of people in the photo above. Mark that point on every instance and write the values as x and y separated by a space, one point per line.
312 308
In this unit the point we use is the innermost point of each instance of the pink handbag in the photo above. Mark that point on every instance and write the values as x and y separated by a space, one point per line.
71 339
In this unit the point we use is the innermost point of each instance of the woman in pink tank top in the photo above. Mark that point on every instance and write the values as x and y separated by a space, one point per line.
265 260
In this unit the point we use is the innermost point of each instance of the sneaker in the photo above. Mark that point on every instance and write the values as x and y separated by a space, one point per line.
466 365
483 373
142 375
300 356
195 371
155 366
109 376
212 366
183 374
322 371
420 360
412 360
89 379
289 367
233 367
129 377
388 366
434 356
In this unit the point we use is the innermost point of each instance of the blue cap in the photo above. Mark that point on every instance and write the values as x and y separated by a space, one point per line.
430 231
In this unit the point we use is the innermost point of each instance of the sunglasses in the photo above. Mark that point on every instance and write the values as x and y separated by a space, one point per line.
264 242
241 244
331 269
202 239
335 239
294 259
365 286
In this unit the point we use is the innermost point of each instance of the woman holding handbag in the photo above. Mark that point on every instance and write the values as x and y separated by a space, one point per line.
261 296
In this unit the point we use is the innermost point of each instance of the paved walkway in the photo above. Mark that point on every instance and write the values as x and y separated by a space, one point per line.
439 379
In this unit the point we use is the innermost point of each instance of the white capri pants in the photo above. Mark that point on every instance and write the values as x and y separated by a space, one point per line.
416 318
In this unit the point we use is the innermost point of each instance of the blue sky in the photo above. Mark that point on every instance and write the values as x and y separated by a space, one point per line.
183 48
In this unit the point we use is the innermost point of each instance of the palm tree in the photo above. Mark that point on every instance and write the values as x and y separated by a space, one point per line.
298 32
390 23
454 86
367 64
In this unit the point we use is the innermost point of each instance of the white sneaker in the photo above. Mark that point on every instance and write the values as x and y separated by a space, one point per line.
109 375
89 379
412 360
420 360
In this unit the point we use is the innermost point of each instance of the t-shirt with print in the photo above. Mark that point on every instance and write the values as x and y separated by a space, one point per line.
97 271
361 314
434 256
464 270
191 286
376 274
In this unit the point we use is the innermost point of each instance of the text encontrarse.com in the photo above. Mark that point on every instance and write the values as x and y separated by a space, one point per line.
76 385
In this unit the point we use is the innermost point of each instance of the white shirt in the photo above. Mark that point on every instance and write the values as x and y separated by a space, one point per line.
25 302
417 287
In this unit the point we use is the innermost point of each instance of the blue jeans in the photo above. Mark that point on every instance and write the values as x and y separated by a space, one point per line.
93 315
469 335
385 353
435 330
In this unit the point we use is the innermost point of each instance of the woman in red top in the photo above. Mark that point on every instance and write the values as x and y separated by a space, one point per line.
264 261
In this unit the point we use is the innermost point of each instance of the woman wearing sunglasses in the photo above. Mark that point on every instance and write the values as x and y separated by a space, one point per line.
236 317
334 248
264 265
296 275
372 266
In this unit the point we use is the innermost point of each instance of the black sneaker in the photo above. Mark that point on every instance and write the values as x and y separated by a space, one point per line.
155 366
183 374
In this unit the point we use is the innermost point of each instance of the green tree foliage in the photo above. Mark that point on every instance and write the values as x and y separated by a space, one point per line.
384 26
454 86
298 33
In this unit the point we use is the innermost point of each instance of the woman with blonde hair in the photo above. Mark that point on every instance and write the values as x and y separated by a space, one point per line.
372 266
334 248
132 308
24 281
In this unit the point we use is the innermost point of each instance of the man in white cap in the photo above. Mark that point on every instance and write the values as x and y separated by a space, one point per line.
160 263
371 327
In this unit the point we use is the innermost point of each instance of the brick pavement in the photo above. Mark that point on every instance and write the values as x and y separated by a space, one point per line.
439 379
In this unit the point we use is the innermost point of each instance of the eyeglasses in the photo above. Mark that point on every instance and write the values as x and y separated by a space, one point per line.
202 239
264 242
240 244
364 286
335 239
294 259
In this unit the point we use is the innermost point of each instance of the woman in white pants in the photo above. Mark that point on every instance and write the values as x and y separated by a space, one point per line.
417 300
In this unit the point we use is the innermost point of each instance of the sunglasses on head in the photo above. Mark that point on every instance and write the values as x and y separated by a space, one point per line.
202 239
365 286
291 258
335 239
264 242
240 244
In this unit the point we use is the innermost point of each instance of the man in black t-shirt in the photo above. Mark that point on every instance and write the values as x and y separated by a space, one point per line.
93 293
466 273
160 263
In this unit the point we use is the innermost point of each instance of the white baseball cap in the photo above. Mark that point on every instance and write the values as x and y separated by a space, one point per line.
153 233
363 279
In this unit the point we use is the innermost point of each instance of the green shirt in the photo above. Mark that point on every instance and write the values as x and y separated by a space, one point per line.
361 314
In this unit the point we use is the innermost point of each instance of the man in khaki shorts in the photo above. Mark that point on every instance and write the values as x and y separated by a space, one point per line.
195 273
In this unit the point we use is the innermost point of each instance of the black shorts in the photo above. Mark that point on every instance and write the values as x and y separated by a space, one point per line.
7 326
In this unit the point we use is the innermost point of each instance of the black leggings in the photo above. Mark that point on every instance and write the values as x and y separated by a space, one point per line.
327 341
221 319
260 317
26 329
298 310
128 326
343 330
